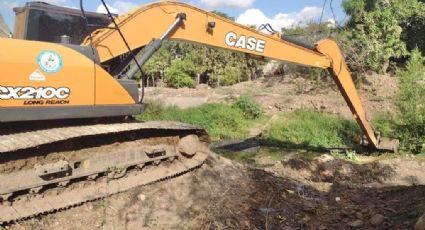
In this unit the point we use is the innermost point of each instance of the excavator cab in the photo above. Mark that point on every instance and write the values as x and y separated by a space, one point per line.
39 21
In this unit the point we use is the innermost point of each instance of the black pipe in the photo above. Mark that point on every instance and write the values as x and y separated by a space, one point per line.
155 45
298 42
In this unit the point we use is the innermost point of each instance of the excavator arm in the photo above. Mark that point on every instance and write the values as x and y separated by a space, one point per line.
151 24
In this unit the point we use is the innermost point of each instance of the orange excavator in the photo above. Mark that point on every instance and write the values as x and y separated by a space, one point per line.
68 79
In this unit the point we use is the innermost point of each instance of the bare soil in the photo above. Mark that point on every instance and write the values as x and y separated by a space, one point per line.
285 94
322 193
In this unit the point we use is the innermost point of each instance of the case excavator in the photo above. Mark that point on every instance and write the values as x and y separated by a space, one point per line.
68 93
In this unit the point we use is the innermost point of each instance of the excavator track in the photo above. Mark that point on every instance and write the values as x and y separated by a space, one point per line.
65 175
18 141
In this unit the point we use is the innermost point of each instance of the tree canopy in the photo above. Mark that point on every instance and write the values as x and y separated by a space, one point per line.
379 31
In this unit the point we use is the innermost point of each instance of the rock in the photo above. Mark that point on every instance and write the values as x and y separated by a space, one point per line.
359 215
131 216
266 210
337 199
287 228
141 197
377 220
356 224
420 225
309 206
327 175
325 158
189 145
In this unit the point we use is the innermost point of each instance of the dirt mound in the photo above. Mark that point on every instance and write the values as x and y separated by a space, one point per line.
226 195
383 86
287 94
333 170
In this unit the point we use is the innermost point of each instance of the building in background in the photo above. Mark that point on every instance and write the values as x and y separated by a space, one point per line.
4 30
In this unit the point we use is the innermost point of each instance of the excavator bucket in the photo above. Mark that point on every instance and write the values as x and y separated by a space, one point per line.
388 145
4 30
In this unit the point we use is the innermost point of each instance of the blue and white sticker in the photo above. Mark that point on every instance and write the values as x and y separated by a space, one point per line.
50 61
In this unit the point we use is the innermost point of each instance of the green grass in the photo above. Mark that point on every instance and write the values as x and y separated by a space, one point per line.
385 125
220 120
306 128
271 153
301 128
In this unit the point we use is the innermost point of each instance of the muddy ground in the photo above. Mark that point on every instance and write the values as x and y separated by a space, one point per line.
287 191
294 193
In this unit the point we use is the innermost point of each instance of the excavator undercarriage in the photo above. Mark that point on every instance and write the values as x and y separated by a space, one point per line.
48 165
67 166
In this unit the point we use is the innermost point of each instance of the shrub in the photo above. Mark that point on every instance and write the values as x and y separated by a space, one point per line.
176 76
249 107
229 75
385 125
408 125
411 104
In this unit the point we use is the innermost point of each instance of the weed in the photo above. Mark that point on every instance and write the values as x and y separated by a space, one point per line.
220 120
346 155
249 107
307 128
385 125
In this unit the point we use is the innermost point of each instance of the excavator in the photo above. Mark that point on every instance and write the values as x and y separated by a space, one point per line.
69 94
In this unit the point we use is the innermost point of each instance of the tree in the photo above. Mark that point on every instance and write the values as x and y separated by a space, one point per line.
195 62
411 119
154 68
382 30
222 14
176 76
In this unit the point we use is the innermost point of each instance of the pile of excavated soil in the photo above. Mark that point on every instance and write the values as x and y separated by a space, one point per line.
287 94
323 193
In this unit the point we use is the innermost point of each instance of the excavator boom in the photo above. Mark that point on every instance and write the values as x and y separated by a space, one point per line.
199 26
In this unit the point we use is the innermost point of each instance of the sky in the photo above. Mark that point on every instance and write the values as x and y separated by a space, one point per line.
279 13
